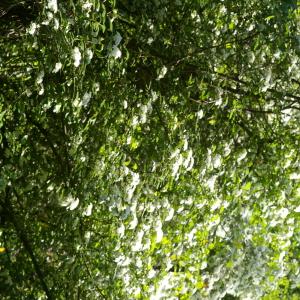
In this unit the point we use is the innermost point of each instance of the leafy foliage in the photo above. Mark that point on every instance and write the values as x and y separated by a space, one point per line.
149 149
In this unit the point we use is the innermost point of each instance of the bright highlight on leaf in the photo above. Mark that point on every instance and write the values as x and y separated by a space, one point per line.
88 211
117 39
115 52
170 214
70 203
159 232
52 5
57 67
76 57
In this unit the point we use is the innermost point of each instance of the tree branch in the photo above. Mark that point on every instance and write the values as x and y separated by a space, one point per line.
9 210
90 275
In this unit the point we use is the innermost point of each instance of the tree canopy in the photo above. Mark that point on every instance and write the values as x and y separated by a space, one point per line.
149 149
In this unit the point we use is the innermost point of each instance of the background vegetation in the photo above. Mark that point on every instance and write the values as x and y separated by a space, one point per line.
149 149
